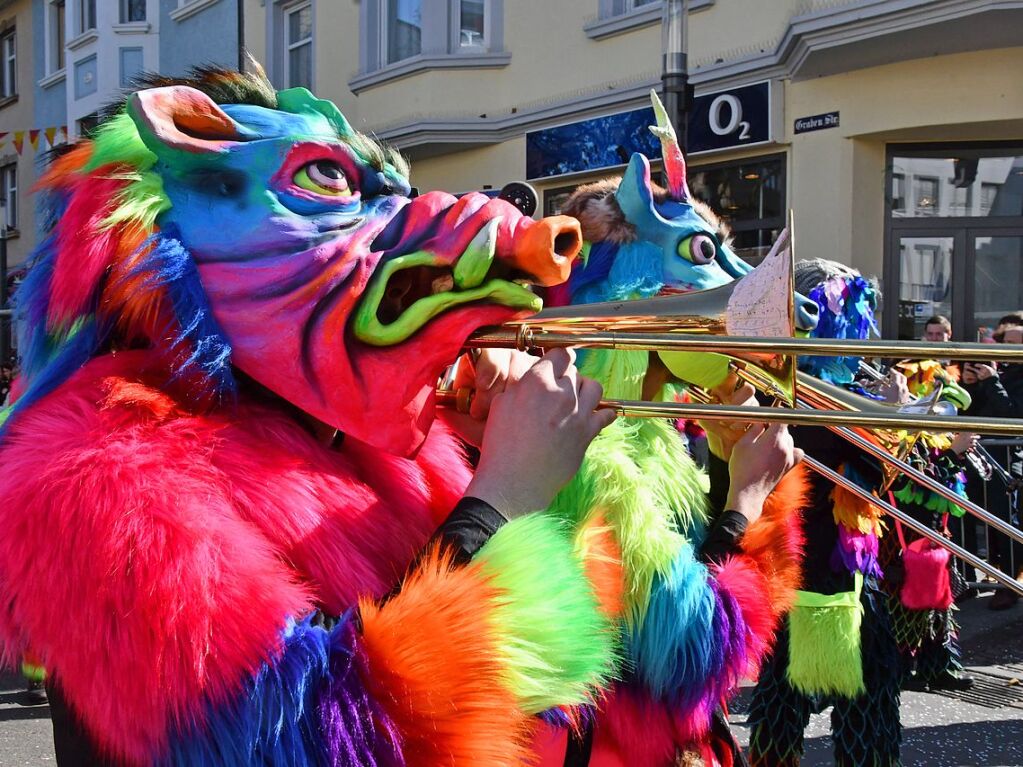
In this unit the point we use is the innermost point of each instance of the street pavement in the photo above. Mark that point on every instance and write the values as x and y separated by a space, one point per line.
980 728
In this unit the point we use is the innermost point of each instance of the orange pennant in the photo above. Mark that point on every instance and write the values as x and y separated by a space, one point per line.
51 135
19 140
33 138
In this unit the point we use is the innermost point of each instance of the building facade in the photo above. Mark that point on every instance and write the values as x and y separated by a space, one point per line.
16 116
76 56
64 60
891 128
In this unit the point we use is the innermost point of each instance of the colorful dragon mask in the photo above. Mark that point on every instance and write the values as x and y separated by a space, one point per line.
235 228
645 240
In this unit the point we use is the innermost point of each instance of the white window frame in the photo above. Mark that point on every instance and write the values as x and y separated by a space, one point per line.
9 189
9 54
488 16
82 8
385 20
123 13
56 37
288 45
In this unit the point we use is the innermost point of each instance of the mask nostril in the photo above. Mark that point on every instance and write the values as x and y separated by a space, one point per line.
566 243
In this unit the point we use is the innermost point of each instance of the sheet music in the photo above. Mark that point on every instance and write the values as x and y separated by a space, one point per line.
759 305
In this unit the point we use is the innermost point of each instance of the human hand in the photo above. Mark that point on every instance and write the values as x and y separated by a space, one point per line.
984 371
894 388
486 376
722 435
964 441
968 375
760 458
536 434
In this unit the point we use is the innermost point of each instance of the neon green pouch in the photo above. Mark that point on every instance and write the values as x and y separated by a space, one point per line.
824 642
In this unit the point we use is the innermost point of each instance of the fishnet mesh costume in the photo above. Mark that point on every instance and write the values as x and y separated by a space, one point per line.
865 730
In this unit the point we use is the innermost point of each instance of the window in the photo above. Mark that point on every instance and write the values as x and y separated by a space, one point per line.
750 196
401 37
8 51
86 15
988 194
555 199
132 11
298 30
87 125
960 181
898 192
925 192
55 36
472 27
402 29
619 7
9 190
961 199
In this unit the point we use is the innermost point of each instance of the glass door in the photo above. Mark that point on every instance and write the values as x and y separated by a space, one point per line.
995 259
925 263
954 236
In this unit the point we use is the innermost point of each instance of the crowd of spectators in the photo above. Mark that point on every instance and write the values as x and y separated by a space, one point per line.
996 390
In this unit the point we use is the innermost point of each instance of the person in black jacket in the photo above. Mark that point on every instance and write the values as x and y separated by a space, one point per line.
997 392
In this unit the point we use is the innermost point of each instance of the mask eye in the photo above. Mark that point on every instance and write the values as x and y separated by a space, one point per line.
323 177
700 249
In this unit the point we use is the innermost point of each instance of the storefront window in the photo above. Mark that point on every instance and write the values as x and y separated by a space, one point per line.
965 182
750 196
955 237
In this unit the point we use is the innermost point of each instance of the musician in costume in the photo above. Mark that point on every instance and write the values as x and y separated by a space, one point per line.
928 639
691 630
234 530
836 647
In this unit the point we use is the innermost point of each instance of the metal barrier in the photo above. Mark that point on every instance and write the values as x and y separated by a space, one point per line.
1000 494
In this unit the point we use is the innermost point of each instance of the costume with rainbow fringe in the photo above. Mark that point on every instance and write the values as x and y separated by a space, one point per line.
694 625
928 640
837 648
227 506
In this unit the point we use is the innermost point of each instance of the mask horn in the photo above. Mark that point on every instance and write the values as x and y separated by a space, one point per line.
671 152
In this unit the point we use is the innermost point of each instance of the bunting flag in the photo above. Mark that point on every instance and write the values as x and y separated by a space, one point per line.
54 134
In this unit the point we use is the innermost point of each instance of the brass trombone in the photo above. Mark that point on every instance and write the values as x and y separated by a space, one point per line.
733 320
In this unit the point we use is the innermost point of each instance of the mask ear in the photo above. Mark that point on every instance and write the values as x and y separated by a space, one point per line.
183 119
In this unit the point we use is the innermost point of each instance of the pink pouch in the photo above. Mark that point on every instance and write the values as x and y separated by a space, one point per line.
927 582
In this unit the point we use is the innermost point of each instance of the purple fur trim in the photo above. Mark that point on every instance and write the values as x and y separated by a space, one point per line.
855 551
357 731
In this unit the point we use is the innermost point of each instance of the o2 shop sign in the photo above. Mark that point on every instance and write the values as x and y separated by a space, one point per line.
738 117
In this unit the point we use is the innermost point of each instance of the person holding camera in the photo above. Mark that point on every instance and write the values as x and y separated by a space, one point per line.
997 392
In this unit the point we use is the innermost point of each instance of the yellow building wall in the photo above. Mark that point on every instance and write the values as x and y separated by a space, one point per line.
552 59
836 183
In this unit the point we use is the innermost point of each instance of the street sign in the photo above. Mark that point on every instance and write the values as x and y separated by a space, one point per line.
816 122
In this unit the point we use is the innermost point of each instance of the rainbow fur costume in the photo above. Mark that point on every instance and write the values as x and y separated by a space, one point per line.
229 271
207 582
693 629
